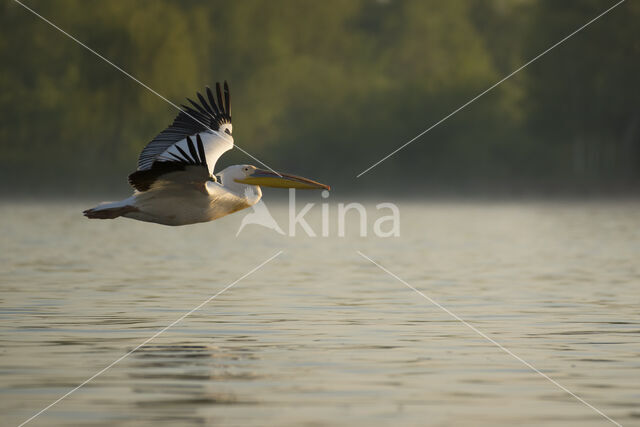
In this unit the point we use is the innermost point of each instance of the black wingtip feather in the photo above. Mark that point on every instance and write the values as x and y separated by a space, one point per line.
205 104
219 94
203 155
212 101
227 99
198 106
192 151
185 155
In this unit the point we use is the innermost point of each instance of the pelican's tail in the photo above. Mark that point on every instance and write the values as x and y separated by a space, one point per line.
110 210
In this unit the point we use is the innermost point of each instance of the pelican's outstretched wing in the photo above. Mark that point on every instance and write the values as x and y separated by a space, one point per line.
208 122
191 169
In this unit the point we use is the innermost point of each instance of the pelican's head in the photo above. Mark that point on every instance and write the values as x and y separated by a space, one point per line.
251 175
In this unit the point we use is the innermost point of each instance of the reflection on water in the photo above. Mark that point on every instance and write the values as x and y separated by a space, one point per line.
172 381
319 335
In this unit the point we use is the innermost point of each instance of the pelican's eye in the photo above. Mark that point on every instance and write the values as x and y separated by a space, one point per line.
227 131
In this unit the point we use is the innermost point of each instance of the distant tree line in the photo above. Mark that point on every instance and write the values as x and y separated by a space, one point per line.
327 88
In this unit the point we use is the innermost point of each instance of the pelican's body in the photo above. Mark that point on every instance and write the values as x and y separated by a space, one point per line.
175 183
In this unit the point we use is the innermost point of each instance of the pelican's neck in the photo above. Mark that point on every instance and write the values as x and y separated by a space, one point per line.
252 193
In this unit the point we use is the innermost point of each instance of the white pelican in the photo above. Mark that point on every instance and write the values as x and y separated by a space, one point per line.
175 183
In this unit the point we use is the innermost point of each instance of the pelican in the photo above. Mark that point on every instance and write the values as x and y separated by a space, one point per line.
175 183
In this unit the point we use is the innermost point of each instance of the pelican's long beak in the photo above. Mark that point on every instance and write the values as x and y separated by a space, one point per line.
282 180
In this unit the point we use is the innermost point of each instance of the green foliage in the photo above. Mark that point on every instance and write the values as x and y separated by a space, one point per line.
327 88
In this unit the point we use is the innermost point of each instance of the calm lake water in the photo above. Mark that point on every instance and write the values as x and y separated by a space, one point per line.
319 335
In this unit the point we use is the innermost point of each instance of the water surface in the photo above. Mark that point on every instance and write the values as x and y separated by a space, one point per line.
320 336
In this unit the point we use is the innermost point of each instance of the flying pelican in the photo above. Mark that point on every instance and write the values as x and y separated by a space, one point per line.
175 183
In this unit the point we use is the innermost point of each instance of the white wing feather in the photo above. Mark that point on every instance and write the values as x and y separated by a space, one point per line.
215 144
